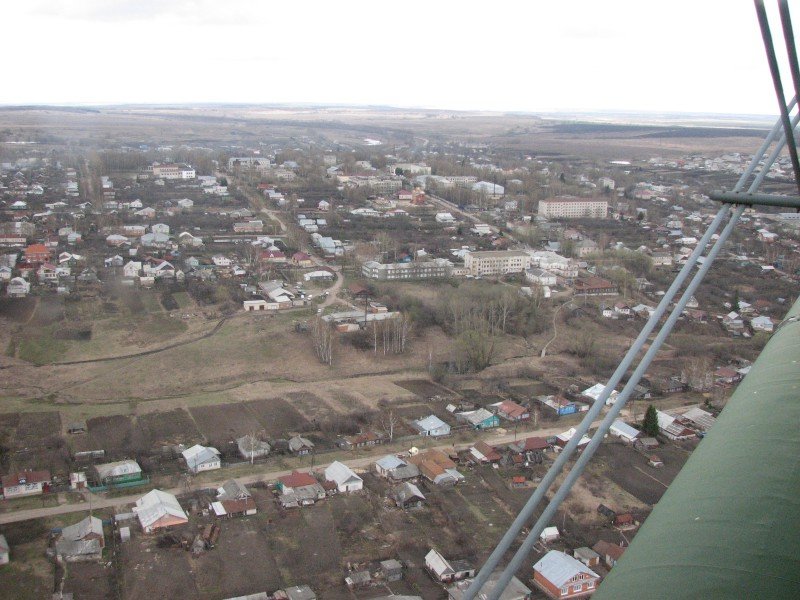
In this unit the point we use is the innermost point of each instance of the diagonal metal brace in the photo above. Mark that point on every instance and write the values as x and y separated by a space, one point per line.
749 199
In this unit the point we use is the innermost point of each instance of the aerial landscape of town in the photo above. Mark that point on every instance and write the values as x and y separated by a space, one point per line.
330 351
291 311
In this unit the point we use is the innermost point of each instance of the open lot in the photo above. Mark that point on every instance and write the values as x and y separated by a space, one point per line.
91 580
425 389
629 469
153 430
277 417
33 441
114 434
312 406
225 422
17 310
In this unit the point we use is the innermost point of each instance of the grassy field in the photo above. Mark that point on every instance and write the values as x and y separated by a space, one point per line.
184 300
41 348
152 303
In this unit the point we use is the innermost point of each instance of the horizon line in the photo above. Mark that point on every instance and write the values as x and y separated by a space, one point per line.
302 104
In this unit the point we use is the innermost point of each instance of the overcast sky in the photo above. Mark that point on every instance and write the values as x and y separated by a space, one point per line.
670 56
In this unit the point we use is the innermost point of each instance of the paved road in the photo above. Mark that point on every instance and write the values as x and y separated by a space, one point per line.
357 463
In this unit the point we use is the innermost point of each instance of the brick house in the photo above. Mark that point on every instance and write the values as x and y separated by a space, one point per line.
37 254
561 576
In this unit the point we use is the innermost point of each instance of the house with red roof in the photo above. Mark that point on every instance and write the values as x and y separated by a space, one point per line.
531 444
610 553
511 411
299 489
483 453
273 256
25 483
37 254
301 259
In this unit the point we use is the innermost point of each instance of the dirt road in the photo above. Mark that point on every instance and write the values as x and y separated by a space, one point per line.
357 463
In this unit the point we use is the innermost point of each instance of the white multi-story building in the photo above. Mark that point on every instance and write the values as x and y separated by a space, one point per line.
433 269
568 207
258 163
411 168
173 171
384 185
606 182
461 180
554 263
496 262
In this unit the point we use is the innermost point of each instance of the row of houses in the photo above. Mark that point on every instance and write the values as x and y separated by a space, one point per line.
303 489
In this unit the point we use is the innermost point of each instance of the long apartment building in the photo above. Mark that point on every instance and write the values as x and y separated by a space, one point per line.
438 268
382 184
496 262
258 163
173 171
569 207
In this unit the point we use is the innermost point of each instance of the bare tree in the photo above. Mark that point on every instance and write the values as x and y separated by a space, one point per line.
389 421
696 373
253 445
322 338
393 333
507 303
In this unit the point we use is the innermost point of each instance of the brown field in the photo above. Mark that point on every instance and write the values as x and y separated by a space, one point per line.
531 390
8 425
312 406
153 430
231 576
350 402
629 469
425 389
277 417
90 580
114 434
34 428
17 310
150 572
50 309
36 441
224 422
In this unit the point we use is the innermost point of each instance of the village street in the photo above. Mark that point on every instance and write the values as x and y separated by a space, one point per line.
99 501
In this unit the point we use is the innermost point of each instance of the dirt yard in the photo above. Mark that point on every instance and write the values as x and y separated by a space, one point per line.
153 430
277 416
224 422
17 310
629 469
114 434
425 389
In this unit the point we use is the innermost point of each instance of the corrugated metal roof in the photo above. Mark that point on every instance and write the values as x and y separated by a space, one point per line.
558 568
621 428
340 473
118 469
728 525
